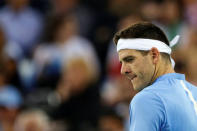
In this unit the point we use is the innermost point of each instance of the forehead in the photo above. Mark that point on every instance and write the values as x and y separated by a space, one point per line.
128 52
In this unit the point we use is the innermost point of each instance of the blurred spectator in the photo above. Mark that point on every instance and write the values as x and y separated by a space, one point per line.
21 23
122 8
191 54
190 12
173 13
84 15
184 57
110 121
150 9
62 7
32 120
10 103
77 94
72 58
9 48
10 55
65 44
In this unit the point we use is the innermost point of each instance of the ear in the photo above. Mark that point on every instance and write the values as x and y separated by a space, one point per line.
155 54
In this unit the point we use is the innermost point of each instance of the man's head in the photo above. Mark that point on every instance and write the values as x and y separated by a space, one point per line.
142 66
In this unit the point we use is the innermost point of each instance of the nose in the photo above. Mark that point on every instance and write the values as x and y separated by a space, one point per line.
125 70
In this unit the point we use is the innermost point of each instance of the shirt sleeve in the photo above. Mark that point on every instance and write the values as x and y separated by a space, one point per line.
147 112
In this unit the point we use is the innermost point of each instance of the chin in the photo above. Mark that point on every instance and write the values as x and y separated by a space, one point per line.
137 88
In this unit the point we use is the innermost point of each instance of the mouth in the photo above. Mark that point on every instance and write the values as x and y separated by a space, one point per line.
131 78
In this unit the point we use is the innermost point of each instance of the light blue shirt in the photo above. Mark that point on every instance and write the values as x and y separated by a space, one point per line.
23 27
165 106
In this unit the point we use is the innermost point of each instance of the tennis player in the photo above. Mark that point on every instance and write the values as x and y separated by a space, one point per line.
165 100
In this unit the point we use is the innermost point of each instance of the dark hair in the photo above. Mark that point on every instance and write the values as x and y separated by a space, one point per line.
54 23
145 30
142 30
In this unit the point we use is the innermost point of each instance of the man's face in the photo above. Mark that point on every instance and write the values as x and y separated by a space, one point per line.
137 67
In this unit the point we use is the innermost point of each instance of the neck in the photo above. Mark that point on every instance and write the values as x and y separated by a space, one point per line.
161 69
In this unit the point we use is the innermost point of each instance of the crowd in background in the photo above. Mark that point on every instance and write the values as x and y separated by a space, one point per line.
59 69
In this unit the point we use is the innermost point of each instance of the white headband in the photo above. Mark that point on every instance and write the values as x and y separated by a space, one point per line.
147 44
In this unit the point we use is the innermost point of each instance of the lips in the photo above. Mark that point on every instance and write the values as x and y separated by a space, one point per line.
131 77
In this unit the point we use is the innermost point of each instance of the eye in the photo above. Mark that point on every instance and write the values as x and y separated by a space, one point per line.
129 59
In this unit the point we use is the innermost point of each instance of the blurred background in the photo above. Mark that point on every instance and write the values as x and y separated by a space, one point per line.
59 70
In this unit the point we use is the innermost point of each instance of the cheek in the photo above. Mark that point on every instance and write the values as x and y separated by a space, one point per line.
144 71
147 71
138 67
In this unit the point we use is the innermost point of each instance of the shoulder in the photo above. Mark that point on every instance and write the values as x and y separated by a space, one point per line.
153 95
148 110
146 102
144 97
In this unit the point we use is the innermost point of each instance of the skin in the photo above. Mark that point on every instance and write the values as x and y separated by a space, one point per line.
17 5
143 70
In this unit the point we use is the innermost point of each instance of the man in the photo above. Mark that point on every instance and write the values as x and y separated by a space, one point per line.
22 24
165 100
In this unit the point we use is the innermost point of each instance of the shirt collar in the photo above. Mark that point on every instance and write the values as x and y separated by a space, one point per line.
171 76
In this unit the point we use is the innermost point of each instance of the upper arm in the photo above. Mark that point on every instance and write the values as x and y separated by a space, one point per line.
147 113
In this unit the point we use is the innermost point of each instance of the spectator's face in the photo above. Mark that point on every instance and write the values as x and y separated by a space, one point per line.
17 4
63 6
77 76
66 30
172 13
151 10
137 67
